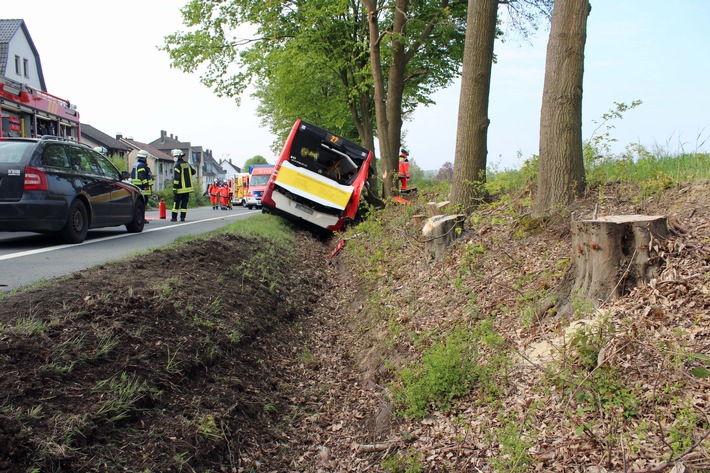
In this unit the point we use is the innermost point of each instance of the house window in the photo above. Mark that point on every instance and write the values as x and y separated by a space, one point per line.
18 71
26 66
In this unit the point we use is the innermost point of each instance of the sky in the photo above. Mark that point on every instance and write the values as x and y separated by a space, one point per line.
104 57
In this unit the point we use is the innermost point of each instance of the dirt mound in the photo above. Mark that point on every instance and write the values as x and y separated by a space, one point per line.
172 360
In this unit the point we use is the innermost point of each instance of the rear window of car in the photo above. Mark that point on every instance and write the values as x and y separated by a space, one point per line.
12 152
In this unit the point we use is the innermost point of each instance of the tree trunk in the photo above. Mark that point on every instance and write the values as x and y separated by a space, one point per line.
611 255
388 170
473 121
561 171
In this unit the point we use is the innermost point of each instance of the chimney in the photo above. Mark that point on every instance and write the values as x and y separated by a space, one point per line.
162 136
119 135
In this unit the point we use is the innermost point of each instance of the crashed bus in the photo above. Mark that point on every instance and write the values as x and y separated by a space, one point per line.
318 179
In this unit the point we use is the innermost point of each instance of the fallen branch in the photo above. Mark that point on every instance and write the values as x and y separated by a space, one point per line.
375 447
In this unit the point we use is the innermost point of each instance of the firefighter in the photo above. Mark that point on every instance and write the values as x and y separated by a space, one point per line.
224 196
182 185
213 191
403 169
142 176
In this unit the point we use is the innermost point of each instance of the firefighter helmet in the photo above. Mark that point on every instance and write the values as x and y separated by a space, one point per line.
142 155
177 153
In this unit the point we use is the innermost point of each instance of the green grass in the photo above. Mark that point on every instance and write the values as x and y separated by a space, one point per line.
651 170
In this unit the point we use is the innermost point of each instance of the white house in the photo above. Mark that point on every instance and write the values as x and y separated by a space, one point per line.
19 59
231 169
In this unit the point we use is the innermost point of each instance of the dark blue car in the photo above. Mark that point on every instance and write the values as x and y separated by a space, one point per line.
56 185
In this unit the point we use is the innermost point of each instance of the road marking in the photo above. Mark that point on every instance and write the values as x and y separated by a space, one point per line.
113 237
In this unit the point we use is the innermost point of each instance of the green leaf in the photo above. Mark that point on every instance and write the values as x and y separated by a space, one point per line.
700 372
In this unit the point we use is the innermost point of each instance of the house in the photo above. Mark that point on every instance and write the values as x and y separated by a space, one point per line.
212 169
160 163
97 138
201 160
19 59
231 170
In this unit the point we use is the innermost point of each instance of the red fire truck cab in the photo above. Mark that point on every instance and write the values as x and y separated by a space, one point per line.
318 178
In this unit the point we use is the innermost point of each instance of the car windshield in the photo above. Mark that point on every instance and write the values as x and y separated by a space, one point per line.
11 152
259 179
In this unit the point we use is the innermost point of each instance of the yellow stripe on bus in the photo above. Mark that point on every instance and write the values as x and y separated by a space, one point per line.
297 180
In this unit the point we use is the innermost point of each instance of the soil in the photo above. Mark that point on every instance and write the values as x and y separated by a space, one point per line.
229 354
185 359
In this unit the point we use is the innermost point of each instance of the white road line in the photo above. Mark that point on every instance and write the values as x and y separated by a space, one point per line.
113 237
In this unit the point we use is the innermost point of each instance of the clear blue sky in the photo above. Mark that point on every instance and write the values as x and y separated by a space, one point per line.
103 57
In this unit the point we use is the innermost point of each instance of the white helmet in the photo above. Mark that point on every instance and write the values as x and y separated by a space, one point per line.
177 153
101 150
142 155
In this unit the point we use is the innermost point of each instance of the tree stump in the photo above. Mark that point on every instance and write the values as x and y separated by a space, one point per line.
441 230
612 254
437 208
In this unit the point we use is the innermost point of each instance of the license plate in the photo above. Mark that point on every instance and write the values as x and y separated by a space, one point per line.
305 209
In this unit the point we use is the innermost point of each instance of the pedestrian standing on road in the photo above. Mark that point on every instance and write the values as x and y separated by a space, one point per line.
142 177
182 185
224 196
213 191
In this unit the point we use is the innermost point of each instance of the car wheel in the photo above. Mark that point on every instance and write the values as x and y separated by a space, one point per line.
77 226
249 207
136 225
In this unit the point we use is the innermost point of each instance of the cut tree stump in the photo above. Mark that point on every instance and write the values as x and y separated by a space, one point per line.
441 230
437 208
612 254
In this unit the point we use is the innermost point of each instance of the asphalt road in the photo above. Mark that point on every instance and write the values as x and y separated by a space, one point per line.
27 258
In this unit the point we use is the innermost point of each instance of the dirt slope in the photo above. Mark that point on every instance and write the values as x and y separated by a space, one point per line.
231 355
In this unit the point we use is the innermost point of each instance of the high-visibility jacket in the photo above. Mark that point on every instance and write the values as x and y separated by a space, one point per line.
403 167
182 177
224 193
142 177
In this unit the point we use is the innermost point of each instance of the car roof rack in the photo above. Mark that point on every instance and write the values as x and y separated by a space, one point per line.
57 138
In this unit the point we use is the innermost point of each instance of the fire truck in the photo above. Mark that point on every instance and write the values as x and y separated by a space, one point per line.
240 185
29 113
318 179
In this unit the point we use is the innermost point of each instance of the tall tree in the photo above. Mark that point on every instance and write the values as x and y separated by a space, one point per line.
415 47
308 59
330 35
472 130
561 172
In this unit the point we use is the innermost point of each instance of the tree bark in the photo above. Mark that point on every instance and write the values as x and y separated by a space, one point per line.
612 255
561 171
473 121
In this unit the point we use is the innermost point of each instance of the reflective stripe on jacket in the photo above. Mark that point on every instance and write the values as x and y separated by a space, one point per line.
142 177
182 177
